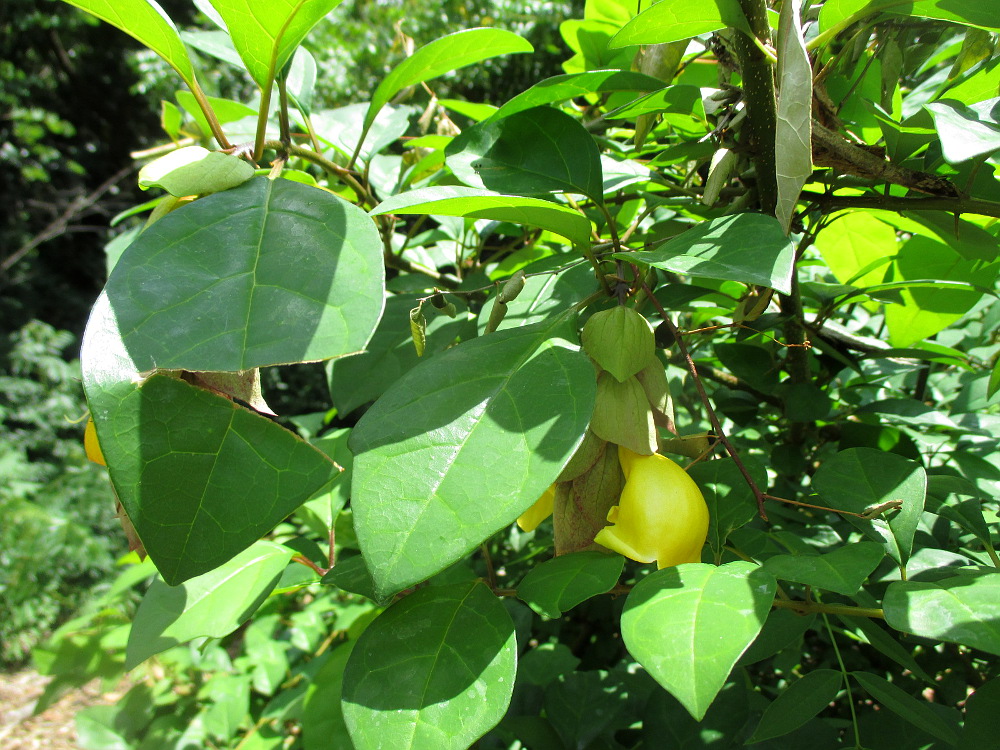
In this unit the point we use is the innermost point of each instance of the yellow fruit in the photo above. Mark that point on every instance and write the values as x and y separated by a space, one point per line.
538 512
91 445
661 516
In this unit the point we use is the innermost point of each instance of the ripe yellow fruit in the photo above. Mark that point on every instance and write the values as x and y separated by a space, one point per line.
661 516
91 445
538 512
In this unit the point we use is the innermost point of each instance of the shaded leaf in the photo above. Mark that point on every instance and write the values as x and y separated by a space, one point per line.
436 669
533 152
557 585
903 704
200 477
216 285
860 478
844 570
798 703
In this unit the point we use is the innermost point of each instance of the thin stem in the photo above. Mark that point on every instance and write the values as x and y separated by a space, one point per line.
830 609
716 424
338 171
847 682
283 129
261 137
816 507
213 121
491 574
303 560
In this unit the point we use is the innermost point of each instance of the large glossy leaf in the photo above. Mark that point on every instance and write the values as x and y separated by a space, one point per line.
364 377
793 127
917 712
435 670
964 609
860 478
569 86
462 445
266 33
474 203
689 625
557 585
270 272
441 56
144 20
844 570
750 248
799 703
966 131
213 604
536 151
673 20
200 477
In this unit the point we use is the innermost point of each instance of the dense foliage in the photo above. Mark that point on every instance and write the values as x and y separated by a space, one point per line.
762 241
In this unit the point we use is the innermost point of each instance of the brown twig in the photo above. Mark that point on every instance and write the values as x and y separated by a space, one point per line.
60 224
716 424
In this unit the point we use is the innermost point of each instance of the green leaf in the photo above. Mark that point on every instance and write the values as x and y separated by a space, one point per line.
559 584
857 241
797 704
844 570
435 670
474 203
980 712
859 478
966 131
267 33
200 477
730 500
581 706
964 609
907 707
356 380
689 625
749 248
442 56
793 127
994 384
213 604
194 170
537 151
545 296
572 85
838 14
218 286
145 21
511 406
323 724
673 20
930 307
